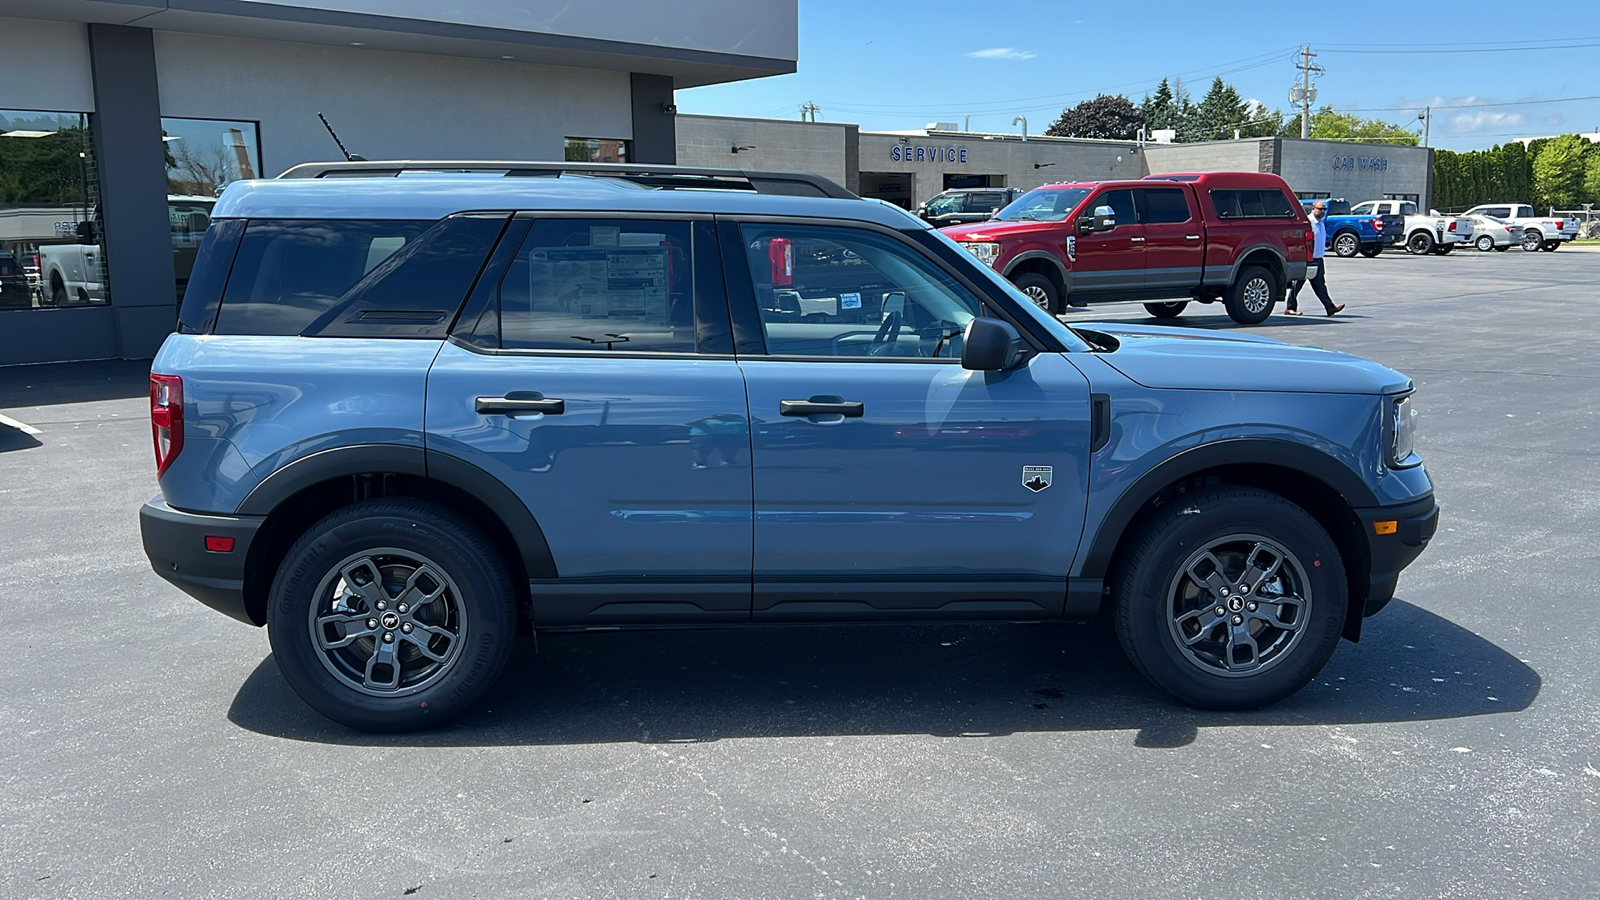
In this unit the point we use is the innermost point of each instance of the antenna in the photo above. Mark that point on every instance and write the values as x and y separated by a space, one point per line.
348 156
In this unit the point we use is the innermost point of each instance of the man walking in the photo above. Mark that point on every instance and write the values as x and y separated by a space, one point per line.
1314 266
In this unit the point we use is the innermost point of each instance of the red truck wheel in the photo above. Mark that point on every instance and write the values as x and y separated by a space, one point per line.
1038 289
1250 297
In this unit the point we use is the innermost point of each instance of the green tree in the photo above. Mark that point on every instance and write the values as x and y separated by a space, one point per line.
1558 172
1219 112
1106 116
1159 109
1328 125
1591 176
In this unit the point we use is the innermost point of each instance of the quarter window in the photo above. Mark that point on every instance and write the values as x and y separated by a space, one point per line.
622 285
853 293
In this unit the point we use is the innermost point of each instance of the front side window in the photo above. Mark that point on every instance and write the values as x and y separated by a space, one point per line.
624 285
853 293
1159 206
944 205
1043 205
1121 203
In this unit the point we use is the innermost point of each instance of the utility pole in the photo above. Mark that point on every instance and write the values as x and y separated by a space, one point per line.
811 109
1306 93
1427 124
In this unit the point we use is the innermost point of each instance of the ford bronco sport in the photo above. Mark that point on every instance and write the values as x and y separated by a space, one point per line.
407 414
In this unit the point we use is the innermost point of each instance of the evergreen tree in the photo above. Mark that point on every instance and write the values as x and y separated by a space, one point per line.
1158 109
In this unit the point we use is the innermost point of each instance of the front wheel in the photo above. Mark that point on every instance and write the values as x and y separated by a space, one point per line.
1420 243
1532 240
1230 598
1484 243
392 615
1040 290
1346 244
1169 310
1250 297
1444 249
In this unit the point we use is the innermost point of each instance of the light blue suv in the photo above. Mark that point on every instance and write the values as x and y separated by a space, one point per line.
415 408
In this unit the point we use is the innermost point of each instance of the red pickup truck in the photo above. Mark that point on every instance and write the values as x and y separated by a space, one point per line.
1238 237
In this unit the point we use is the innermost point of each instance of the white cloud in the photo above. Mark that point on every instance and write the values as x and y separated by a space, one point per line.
1002 53
1486 121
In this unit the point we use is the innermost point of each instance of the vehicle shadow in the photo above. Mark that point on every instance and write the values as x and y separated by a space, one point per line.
76 382
946 680
15 439
1313 316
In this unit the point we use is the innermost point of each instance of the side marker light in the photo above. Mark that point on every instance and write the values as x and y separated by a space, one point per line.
1388 526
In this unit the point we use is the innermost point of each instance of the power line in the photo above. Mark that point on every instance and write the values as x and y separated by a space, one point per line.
1477 50
1414 44
1471 105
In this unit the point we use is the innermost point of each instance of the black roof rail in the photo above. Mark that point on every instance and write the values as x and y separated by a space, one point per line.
801 184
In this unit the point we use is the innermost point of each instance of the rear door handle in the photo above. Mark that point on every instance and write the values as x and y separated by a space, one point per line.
823 406
1191 237
1137 240
520 402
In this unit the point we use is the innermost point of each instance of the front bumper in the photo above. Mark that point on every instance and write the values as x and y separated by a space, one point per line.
1415 524
175 542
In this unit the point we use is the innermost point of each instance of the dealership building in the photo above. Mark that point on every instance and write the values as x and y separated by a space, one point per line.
120 120
908 167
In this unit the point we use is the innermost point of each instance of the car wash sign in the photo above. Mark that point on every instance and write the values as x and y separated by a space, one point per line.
1363 163
908 153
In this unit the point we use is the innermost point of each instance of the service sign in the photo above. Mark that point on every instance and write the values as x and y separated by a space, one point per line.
907 153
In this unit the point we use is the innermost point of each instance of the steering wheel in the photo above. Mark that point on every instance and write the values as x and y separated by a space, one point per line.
880 341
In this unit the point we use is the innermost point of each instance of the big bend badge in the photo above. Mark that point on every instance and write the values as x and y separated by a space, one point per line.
1036 478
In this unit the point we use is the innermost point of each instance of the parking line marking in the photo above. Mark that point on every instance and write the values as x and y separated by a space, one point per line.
23 427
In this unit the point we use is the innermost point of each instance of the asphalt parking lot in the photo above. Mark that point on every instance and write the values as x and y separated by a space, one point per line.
152 749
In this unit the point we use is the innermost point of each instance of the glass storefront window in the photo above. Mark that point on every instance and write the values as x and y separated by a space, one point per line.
602 150
203 157
48 211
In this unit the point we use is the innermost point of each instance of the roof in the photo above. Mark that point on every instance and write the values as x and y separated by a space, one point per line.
434 196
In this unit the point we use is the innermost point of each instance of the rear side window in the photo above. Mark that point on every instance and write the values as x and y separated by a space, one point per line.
352 277
1159 206
1268 203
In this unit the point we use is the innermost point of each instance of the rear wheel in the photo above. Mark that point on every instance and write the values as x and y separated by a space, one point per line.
1551 246
1231 598
1346 244
1484 243
1170 310
1371 250
1040 290
391 615
1419 243
1443 249
1250 298
1532 239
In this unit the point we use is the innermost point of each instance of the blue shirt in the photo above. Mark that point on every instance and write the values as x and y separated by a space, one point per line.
1319 236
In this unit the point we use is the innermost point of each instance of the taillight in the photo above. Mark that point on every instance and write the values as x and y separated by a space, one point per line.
1311 237
166 419
1377 224
1452 225
780 255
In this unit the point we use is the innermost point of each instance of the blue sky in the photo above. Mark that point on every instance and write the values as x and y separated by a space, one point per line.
902 65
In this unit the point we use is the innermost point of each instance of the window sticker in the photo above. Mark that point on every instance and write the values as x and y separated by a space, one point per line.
604 235
849 301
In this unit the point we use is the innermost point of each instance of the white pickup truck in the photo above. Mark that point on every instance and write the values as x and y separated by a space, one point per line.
1431 233
75 274
1536 232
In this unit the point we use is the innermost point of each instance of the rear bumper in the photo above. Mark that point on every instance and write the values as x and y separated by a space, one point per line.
175 542
1415 524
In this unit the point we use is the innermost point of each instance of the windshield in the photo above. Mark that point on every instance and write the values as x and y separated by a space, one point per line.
1043 205
944 204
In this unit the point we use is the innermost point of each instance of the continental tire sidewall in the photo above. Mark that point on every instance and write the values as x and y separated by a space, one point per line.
1160 549
464 553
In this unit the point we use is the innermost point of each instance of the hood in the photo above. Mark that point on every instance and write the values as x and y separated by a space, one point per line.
1195 359
994 230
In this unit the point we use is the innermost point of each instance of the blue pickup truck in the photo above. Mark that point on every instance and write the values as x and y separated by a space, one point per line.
1366 235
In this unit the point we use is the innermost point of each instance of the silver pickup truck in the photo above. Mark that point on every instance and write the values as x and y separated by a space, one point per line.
1431 233
1536 232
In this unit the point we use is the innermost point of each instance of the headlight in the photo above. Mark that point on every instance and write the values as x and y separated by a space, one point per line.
986 253
1404 429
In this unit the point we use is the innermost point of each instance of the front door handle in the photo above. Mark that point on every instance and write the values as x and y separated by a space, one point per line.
1191 237
1137 240
520 402
823 406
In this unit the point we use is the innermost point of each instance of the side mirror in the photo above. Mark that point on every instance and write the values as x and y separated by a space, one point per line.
86 233
1104 219
990 345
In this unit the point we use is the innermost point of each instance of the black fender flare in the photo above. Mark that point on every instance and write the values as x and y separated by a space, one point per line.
1243 254
1233 451
360 459
1050 260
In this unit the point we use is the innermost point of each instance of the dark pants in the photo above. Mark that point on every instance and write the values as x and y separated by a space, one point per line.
1319 286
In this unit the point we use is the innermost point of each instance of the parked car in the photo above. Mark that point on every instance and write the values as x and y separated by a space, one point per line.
1350 234
14 290
1546 233
1431 233
402 419
1237 237
1490 233
960 206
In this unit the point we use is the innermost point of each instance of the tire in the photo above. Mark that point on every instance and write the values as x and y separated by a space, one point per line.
58 293
1165 597
1502 249
1443 249
324 625
1250 298
1371 251
1040 290
1169 310
1551 246
1484 243
1346 244
1420 243
1532 239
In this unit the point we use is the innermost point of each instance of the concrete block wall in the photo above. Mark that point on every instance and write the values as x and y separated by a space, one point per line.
1023 164
819 148
1211 156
